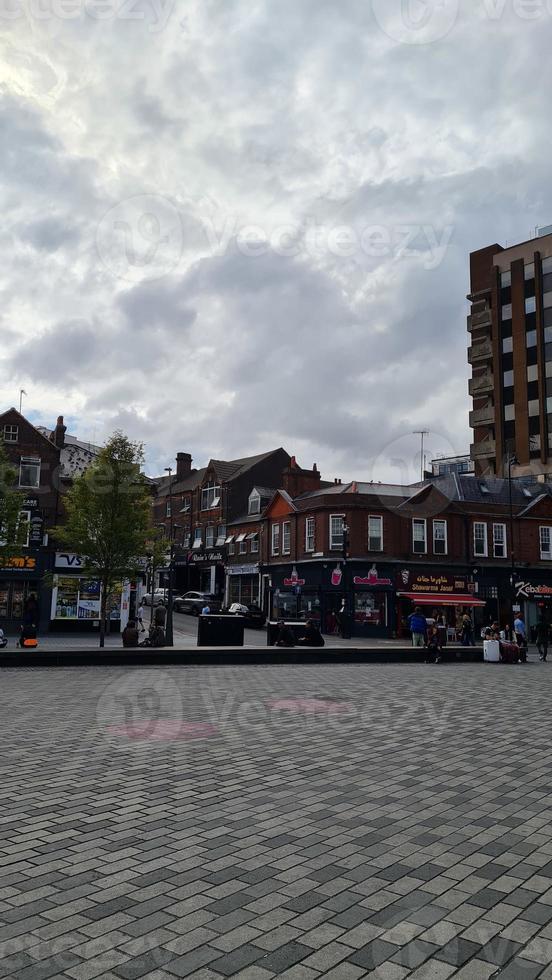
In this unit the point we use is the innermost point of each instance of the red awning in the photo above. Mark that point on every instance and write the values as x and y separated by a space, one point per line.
453 599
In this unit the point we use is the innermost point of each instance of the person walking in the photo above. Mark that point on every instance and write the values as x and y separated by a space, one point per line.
417 624
521 637
140 613
467 631
542 639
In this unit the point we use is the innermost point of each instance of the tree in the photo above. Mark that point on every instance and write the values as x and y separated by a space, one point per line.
109 517
12 532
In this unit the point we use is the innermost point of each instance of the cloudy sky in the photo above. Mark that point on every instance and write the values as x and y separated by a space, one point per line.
230 225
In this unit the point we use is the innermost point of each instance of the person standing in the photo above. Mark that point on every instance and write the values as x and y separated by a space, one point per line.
521 637
467 631
417 624
542 639
140 613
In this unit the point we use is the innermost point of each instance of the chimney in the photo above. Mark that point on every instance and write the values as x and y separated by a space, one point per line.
183 466
59 433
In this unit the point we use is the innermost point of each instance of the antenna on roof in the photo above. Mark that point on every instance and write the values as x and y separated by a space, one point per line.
21 393
423 433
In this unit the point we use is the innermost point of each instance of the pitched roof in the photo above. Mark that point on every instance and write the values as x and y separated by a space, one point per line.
37 428
229 469
182 486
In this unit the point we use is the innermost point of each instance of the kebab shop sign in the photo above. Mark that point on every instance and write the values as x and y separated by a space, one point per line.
429 583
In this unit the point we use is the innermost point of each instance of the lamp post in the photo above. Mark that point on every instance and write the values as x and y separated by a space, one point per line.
348 601
169 625
512 461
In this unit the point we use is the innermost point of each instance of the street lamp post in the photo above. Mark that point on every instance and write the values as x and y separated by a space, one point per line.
512 461
169 625
348 600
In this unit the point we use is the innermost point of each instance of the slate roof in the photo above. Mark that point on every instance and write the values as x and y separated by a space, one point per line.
76 455
490 490
228 469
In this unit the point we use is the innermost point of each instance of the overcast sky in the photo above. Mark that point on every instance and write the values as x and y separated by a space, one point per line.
230 225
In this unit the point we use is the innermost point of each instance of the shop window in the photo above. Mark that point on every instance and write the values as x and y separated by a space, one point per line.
275 539
545 534
13 596
375 533
29 472
440 543
419 536
286 538
371 608
310 528
499 541
11 433
336 532
480 539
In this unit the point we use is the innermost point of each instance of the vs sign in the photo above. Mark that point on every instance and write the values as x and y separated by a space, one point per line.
68 560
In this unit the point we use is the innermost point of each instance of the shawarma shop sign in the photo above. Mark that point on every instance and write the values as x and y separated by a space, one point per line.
529 591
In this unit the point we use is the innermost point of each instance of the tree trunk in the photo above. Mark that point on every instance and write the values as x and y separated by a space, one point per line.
103 606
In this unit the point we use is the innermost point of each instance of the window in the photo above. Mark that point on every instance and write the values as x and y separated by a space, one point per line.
29 472
243 545
286 538
531 338
507 345
11 433
336 532
533 407
231 547
545 534
275 539
547 301
440 538
198 537
254 502
507 312
419 536
23 528
168 509
210 537
480 539
509 413
375 534
546 266
310 527
499 541
529 271
221 535
530 304
254 538
185 505
210 496
533 372
508 379
505 279
186 539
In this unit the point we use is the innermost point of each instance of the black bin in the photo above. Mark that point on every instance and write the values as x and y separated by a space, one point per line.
220 631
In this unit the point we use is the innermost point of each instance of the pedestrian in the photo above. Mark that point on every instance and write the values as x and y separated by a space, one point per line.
312 637
206 611
284 637
129 635
3 639
542 639
521 637
434 646
343 621
417 624
140 613
467 631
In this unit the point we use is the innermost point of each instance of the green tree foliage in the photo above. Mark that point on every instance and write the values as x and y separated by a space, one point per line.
108 518
11 501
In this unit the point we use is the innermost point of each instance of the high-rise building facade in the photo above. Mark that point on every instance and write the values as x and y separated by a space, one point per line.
510 352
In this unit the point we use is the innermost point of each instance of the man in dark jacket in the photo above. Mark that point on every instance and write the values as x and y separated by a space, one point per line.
130 635
312 637
285 637
541 637
417 624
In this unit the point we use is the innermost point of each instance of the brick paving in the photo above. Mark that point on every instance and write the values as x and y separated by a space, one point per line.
280 821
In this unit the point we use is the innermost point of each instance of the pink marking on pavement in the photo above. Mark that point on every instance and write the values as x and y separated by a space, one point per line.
310 706
163 730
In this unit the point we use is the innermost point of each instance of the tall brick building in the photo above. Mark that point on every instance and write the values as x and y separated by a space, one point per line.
510 326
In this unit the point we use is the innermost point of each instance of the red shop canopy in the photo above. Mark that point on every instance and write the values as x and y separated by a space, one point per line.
454 599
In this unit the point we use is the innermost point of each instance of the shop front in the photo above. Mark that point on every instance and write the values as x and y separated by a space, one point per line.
444 596
243 584
76 599
534 599
20 591
206 571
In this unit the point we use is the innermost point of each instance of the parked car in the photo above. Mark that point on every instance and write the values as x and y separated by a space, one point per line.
160 597
193 602
253 615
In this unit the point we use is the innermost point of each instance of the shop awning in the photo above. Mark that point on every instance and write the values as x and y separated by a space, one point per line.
453 599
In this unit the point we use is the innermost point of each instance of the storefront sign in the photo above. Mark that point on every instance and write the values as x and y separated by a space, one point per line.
294 581
372 579
529 591
69 560
208 557
433 583
242 569
19 563
36 526
30 503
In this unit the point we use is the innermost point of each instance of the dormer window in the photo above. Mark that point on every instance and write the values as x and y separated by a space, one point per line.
254 502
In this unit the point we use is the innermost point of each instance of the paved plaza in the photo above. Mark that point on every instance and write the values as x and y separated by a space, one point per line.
276 821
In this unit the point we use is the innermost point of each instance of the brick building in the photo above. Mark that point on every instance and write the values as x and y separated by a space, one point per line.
510 352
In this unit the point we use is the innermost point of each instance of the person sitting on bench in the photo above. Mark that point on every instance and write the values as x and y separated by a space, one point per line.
312 637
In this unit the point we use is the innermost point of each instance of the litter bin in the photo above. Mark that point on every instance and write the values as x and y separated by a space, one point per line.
491 651
220 631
